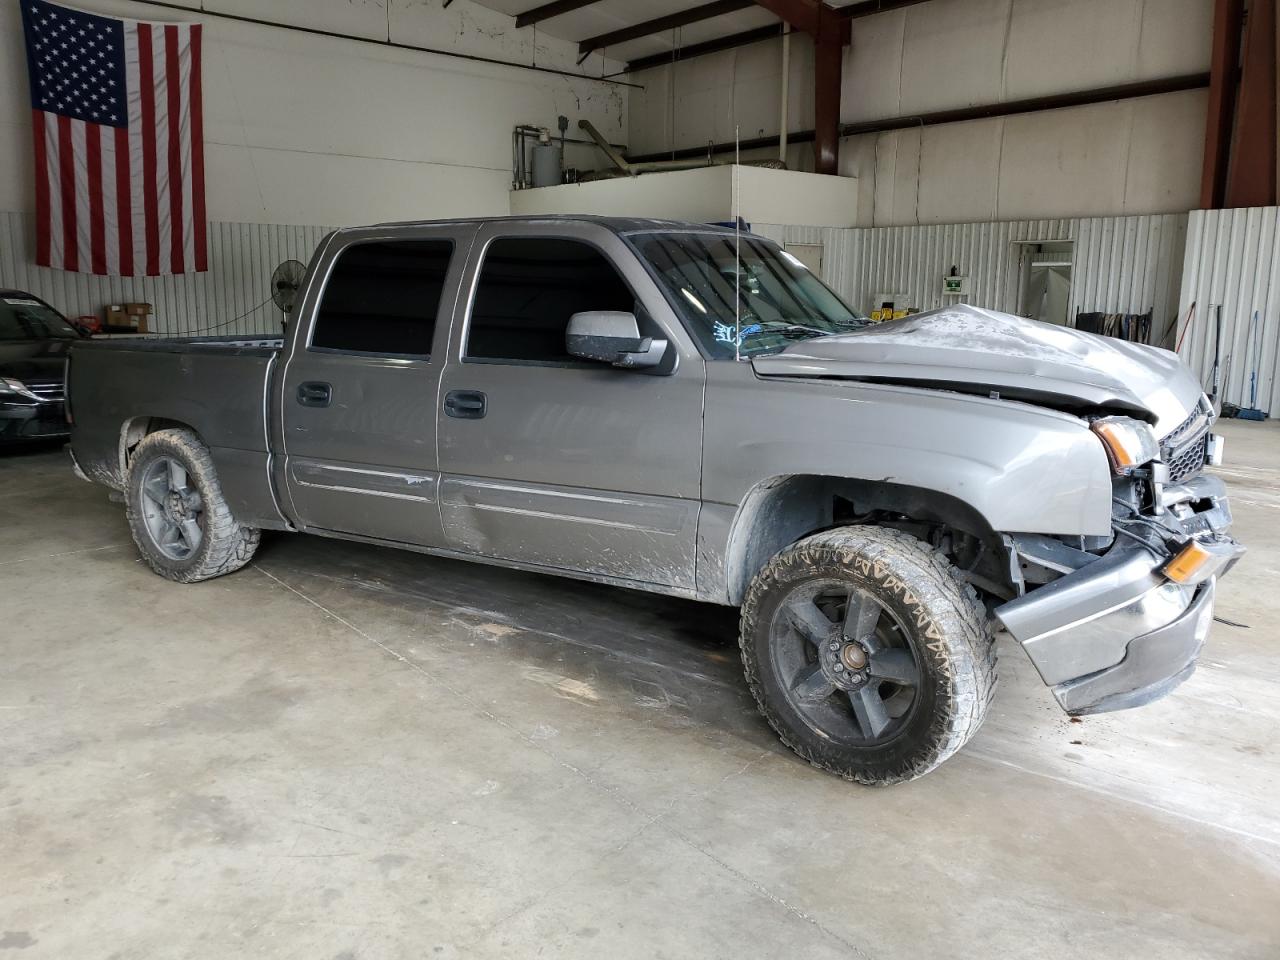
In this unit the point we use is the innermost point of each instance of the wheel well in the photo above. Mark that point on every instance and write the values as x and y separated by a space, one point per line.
782 510
133 431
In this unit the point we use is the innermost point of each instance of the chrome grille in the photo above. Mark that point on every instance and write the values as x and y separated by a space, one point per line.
51 391
1183 449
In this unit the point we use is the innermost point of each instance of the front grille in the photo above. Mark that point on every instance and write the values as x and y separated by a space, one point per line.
1183 449
1186 462
47 391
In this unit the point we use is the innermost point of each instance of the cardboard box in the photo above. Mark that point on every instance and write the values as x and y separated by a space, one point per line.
127 318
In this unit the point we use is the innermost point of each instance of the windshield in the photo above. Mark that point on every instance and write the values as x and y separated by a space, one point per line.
22 318
778 300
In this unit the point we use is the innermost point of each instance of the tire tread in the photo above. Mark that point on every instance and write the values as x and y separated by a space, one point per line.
230 545
969 644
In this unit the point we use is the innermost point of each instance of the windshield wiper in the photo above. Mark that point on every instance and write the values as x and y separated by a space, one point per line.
778 326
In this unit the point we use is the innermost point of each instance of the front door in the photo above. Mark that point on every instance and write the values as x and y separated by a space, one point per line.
557 462
360 391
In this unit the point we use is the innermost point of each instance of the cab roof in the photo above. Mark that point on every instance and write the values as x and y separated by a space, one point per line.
619 225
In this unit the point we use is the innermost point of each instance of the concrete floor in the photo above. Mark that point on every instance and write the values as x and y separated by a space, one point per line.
348 752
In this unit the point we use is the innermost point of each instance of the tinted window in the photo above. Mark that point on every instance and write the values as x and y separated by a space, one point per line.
22 318
529 288
382 298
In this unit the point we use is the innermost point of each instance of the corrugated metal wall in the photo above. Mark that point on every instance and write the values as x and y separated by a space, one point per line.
232 297
1233 259
1120 264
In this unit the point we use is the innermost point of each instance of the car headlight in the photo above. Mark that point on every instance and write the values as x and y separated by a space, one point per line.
1130 443
15 387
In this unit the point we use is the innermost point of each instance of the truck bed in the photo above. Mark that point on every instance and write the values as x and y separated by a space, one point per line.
215 386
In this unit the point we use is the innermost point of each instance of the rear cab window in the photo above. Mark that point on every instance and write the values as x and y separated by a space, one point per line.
382 299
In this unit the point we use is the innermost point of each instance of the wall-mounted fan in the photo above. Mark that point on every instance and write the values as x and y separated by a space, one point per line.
285 283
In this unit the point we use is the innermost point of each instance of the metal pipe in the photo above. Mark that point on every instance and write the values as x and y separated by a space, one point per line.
786 82
668 166
529 128
622 167
520 167
1124 91
617 159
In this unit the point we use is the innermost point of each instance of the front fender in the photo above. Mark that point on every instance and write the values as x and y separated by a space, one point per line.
1020 468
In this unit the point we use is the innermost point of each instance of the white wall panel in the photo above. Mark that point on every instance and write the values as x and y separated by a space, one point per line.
1120 264
232 297
1233 260
1137 156
312 129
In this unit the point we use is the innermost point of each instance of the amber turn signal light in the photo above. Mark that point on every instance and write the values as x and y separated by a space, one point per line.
1199 560
1188 562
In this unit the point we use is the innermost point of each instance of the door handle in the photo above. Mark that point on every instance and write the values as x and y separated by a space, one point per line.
466 404
315 393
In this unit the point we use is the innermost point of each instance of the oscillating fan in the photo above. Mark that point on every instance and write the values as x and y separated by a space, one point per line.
285 283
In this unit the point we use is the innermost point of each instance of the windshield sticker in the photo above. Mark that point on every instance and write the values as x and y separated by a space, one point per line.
23 303
724 332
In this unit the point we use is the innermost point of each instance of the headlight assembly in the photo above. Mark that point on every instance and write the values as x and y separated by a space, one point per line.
1130 443
11 387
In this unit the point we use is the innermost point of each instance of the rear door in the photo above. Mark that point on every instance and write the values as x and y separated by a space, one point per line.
557 462
359 392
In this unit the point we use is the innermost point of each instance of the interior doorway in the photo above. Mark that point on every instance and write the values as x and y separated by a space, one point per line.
810 254
1044 280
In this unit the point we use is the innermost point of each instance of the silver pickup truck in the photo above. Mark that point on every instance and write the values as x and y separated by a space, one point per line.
674 408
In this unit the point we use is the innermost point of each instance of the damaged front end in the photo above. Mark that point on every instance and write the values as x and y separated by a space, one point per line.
1117 622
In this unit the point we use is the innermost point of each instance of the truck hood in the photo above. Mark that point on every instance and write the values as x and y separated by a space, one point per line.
973 350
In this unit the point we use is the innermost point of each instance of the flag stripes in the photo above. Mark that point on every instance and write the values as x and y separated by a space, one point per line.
122 198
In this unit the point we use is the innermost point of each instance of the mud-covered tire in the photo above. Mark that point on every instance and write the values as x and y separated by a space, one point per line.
942 623
224 545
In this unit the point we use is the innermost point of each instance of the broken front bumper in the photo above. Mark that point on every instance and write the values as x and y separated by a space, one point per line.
1116 632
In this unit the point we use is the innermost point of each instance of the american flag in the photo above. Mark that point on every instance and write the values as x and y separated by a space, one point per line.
119 141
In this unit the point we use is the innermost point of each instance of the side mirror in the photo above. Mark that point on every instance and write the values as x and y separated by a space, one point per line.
612 336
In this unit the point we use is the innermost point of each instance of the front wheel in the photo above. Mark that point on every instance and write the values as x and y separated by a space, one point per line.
177 514
867 653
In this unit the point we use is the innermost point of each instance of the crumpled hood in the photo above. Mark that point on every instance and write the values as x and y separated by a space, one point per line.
968 348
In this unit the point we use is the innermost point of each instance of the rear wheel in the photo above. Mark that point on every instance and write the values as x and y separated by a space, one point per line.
867 653
177 514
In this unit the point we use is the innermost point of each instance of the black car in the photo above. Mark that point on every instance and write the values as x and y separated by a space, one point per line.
34 340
